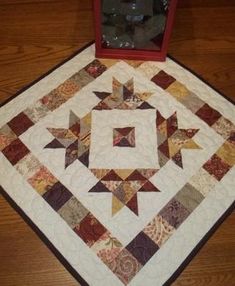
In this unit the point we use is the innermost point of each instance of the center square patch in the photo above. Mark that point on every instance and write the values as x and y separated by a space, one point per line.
124 137
124 163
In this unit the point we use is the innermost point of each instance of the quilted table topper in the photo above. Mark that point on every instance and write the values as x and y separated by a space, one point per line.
124 166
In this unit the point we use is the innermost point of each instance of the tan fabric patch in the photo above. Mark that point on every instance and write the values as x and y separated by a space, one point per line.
6 136
36 111
82 78
73 212
28 166
227 153
192 102
178 90
189 197
42 180
159 230
148 69
224 127
203 182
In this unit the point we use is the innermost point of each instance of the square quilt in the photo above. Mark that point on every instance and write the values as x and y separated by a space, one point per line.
119 165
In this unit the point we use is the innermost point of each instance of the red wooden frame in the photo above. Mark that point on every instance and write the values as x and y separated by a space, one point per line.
132 54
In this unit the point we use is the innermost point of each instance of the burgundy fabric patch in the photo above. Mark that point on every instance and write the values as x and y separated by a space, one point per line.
174 213
15 151
148 187
142 248
208 114
20 124
90 229
164 148
135 176
57 196
55 144
132 204
111 176
163 79
216 167
95 68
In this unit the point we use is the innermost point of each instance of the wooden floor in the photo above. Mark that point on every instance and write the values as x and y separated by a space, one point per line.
35 35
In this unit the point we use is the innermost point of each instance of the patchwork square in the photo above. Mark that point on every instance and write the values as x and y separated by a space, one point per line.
203 182
82 78
95 68
149 69
224 127
90 229
36 111
68 89
208 114
192 102
189 197
125 266
57 196
118 160
178 90
20 123
163 79
217 167
72 211
124 137
15 151
28 166
159 230
142 248
53 100
42 180
174 213
107 248
227 153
